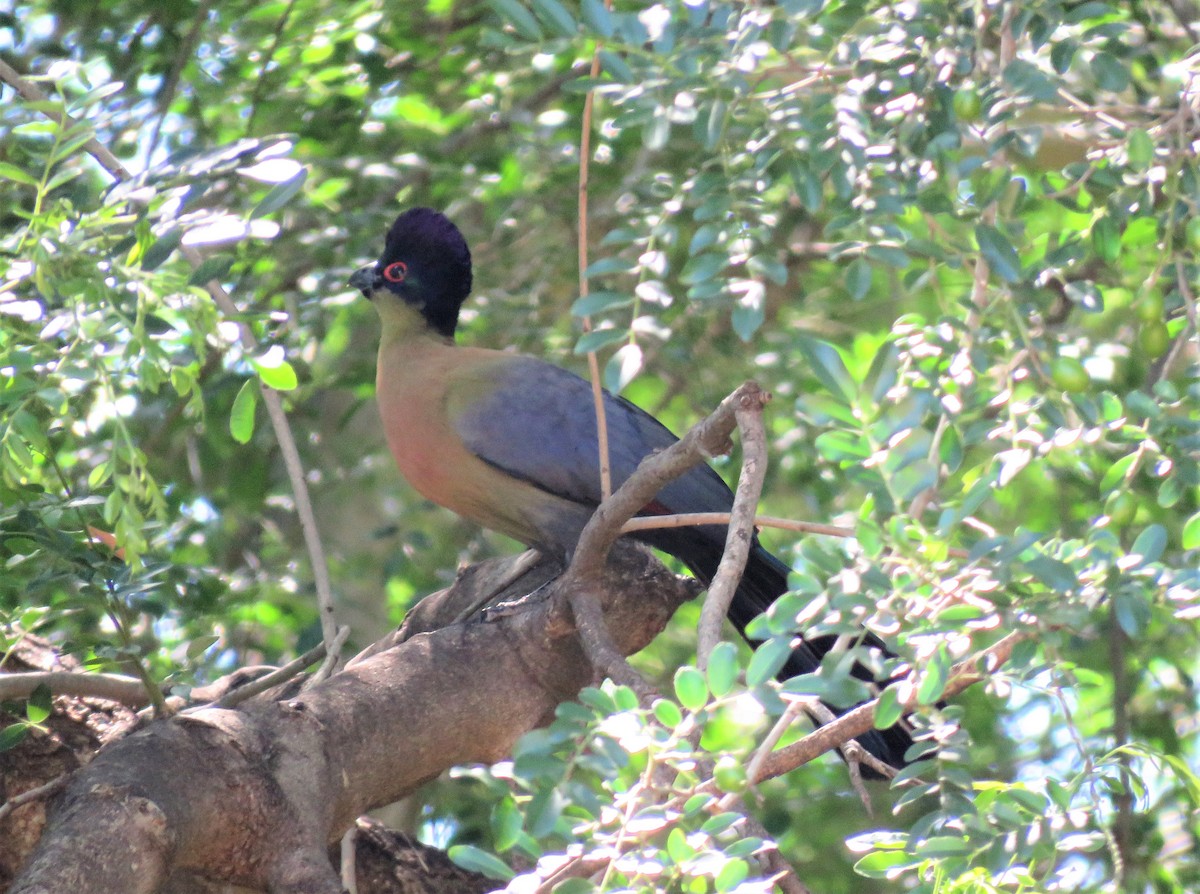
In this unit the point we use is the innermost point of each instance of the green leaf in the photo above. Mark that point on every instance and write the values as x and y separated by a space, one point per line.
889 709
200 645
472 858
519 17
768 660
998 252
1057 575
16 175
1132 611
597 302
703 267
214 268
828 366
599 338
1116 472
622 367
597 17
1110 72
162 249
732 874
280 194
1106 239
722 669
40 703
556 17
1150 544
241 416
746 319
507 823
667 713
274 370
891 255
1140 148
934 677
575 886
690 688
12 735
881 864
617 67
858 278
1028 79
1191 532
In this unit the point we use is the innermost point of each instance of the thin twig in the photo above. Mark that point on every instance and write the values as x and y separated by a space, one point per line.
33 93
795 707
33 794
272 679
129 691
291 462
166 93
585 151
332 657
261 84
858 721
740 533
691 519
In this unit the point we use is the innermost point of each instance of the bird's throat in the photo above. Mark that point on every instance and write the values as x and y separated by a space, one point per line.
402 322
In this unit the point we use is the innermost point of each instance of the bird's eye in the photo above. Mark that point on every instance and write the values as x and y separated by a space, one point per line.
395 272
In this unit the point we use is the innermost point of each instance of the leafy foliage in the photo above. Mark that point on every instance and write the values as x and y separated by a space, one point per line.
958 242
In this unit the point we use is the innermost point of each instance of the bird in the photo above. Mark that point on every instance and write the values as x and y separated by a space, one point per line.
509 441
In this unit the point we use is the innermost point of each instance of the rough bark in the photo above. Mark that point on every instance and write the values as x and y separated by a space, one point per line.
254 796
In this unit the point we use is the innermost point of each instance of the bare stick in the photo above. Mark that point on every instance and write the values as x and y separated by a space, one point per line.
854 723
740 534
114 687
585 151
689 519
332 657
274 678
33 794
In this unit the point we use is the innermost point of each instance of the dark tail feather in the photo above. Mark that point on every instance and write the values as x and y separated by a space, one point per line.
764 581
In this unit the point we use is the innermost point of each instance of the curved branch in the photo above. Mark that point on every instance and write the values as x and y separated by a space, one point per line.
707 438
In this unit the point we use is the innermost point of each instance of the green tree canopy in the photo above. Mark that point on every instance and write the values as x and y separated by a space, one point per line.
958 243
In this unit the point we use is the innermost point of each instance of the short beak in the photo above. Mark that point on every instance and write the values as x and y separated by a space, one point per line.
365 279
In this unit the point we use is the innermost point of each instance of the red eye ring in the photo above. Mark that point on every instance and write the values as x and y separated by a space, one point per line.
395 272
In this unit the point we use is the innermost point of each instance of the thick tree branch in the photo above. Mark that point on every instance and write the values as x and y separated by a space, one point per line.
254 796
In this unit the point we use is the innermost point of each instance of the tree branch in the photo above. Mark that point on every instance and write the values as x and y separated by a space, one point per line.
254 796
740 533
709 437
861 719
129 691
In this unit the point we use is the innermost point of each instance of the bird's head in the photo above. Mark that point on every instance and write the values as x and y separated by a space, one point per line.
425 265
